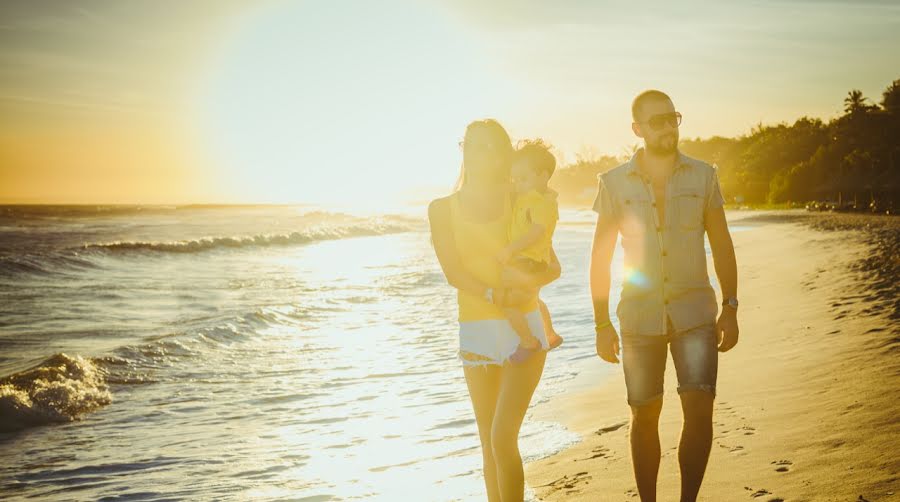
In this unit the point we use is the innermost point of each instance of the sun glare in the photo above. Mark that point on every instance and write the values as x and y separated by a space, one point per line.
320 102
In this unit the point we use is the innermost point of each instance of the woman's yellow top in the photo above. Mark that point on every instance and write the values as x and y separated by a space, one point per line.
535 207
478 244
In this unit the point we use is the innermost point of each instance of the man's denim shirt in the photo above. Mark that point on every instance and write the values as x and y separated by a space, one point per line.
665 265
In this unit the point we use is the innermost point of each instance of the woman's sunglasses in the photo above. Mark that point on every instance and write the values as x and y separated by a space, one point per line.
657 122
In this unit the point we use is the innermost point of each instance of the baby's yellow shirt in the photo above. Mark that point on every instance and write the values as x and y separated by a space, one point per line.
535 207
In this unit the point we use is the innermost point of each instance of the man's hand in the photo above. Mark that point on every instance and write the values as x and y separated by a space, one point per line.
608 344
727 329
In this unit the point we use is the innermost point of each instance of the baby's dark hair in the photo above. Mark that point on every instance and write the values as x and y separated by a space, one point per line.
537 153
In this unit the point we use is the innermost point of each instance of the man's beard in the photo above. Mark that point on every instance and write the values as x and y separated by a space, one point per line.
666 144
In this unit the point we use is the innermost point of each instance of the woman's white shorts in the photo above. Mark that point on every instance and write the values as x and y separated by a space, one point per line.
492 341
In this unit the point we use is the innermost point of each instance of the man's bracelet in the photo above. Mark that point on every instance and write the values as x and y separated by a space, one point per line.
489 295
600 325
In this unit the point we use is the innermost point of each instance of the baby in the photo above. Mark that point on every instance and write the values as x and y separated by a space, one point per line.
534 217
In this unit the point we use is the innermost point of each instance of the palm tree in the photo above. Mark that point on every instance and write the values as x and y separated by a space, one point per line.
891 101
855 102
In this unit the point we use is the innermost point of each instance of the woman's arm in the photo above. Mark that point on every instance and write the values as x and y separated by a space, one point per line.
445 249
534 235
535 280
554 270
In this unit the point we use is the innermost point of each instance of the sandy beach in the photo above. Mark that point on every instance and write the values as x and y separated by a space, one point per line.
807 402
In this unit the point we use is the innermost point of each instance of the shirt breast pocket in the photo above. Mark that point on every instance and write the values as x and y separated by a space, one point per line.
635 215
690 210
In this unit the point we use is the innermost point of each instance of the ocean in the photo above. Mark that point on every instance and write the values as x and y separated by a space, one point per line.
250 352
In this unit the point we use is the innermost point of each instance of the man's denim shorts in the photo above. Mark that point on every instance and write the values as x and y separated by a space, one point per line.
695 354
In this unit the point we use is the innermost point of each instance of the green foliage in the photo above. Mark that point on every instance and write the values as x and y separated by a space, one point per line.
577 183
891 98
854 155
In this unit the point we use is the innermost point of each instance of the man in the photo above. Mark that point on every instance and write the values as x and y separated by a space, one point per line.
661 202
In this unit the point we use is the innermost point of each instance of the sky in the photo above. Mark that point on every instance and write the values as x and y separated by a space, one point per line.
165 102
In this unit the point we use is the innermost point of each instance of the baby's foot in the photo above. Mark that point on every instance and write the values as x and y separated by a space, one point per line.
554 340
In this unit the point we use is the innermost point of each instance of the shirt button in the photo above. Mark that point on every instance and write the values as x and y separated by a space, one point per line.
666 302
664 253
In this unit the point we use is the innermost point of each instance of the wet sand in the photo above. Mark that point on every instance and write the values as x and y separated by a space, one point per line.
807 404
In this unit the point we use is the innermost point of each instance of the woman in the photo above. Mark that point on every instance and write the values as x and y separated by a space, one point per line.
468 229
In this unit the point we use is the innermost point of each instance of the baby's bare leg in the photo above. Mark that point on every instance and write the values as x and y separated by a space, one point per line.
520 325
528 344
553 339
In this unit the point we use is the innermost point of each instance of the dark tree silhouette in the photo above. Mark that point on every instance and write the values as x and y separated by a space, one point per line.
853 156
855 102
891 98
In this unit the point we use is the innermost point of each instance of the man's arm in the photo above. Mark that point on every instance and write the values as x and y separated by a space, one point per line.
726 271
601 259
605 234
722 251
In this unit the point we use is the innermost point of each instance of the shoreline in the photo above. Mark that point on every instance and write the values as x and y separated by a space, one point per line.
802 411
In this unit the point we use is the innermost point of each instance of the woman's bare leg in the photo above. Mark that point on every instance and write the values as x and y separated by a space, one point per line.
516 388
484 389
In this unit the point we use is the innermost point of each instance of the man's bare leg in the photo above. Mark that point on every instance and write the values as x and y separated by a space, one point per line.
696 441
645 449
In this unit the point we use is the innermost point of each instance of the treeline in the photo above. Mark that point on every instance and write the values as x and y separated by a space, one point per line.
854 155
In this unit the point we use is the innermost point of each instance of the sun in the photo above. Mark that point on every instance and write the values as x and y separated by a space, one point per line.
321 102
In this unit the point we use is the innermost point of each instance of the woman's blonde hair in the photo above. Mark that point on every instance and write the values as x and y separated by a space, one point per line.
489 127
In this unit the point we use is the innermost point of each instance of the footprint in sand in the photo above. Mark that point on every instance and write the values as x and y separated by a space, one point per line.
762 492
570 484
598 452
611 428
782 465
854 406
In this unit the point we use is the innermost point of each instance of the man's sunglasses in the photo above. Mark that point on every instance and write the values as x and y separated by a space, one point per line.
657 122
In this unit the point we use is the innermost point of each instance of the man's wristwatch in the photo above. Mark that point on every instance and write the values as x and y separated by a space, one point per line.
730 302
